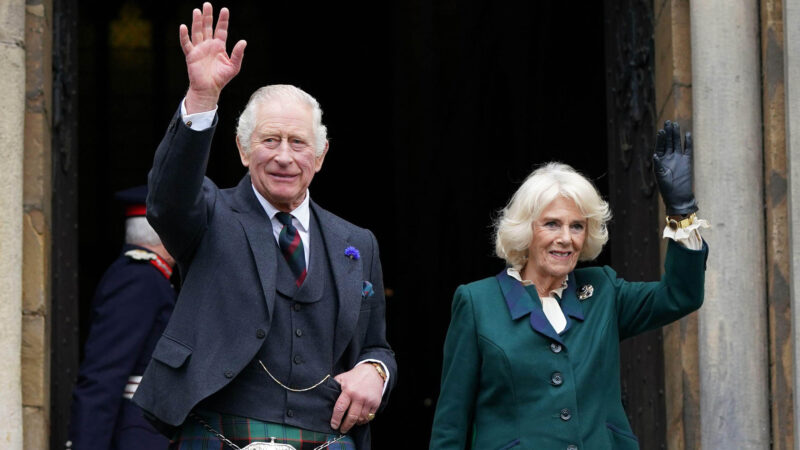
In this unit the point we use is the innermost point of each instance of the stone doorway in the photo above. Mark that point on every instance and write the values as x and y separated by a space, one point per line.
435 111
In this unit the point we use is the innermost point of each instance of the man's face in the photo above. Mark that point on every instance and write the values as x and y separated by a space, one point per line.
282 158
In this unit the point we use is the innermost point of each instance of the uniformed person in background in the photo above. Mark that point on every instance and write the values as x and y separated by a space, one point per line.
130 310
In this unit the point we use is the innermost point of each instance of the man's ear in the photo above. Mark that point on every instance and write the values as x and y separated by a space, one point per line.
242 153
319 159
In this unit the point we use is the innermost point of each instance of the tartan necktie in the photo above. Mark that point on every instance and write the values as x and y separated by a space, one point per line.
292 247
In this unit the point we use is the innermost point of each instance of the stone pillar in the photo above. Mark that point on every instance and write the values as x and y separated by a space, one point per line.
673 86
36 229
791 52
732 328
12 105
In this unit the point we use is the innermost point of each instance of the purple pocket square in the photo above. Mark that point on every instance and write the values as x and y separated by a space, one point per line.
367 291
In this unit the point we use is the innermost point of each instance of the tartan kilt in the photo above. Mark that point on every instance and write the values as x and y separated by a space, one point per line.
243 431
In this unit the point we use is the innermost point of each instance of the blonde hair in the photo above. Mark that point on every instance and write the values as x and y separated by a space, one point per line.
514 230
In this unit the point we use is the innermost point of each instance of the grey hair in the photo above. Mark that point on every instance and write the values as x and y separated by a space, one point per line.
514 226
244 130
139 232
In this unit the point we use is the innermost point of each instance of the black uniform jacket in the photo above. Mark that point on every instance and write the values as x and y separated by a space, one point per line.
131 308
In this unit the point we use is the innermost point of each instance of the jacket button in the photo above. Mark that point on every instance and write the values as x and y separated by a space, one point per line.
565 415
298 332
290 413
556 379
555 347
260 333
297 307
228 374
572 447
298 359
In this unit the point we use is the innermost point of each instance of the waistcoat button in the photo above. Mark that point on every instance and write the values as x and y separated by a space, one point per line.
557 379
565 415
555 347
298 332
260 333
228 374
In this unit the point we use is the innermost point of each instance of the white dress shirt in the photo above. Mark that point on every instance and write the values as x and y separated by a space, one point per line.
301 219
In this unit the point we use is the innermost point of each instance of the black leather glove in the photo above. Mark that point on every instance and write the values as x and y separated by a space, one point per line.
673 169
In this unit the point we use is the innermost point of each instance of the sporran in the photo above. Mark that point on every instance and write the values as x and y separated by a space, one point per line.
271 445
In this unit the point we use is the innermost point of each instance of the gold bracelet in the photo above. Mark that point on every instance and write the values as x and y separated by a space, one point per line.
380 370
683 223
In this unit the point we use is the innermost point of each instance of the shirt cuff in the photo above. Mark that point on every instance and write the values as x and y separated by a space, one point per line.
689 237
385 370
197 121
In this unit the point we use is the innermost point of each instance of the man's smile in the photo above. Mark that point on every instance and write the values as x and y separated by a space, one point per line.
284 176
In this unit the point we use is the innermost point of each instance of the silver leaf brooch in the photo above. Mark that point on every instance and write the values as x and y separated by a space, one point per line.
585 291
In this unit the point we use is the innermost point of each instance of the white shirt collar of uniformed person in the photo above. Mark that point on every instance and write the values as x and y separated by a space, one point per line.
301 219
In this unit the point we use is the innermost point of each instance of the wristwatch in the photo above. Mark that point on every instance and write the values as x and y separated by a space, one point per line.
674 222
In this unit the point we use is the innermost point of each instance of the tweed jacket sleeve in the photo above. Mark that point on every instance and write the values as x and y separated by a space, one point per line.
179 193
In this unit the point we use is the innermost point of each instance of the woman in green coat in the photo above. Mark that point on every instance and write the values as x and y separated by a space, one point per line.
531 359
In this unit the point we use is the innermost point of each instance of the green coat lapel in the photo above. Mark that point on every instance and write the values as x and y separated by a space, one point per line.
521 302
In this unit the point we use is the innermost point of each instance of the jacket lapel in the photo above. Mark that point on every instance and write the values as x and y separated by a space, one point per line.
520 303
258 230
347 276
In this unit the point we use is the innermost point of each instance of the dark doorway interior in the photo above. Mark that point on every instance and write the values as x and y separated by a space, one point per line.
436 111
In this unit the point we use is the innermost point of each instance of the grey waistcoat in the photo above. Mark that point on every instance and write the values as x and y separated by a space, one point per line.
298 351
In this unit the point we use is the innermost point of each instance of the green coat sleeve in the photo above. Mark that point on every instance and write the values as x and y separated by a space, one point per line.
643 306
452 423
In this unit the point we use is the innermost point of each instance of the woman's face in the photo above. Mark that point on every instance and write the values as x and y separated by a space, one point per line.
558 236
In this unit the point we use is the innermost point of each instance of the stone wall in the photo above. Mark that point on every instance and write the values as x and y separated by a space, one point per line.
12 119
682 364
791 52
733 340
36 229
25 192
